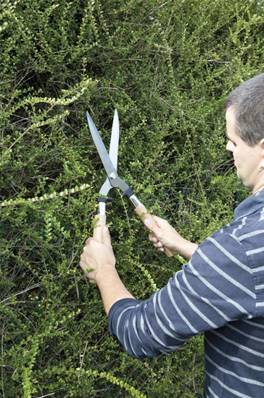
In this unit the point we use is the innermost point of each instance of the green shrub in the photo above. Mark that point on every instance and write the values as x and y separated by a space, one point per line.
167 67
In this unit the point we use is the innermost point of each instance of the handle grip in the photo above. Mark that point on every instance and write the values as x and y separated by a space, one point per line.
142 212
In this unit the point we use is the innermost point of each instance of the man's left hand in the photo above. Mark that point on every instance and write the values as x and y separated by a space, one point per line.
98 257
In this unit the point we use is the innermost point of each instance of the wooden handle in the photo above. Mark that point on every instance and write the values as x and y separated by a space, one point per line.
142 212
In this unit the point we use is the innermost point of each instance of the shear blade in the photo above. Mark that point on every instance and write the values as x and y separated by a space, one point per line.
107 163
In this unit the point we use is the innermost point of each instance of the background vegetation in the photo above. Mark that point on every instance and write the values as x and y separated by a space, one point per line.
167 67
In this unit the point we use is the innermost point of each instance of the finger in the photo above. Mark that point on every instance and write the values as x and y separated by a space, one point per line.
90 277
98 234
151 224
83 261
158 244
153 238
87 269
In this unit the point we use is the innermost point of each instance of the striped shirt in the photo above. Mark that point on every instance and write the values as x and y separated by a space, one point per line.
219 292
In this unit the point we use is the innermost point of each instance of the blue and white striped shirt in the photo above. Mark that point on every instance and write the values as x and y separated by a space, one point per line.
220 292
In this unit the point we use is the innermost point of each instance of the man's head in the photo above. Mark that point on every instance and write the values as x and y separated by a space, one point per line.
247 101
245 131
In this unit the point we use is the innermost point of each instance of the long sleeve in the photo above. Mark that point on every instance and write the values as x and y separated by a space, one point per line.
214 288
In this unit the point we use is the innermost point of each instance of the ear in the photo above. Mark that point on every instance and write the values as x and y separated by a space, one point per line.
261 145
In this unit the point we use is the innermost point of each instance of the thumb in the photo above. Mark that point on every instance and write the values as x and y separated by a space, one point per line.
106 237
99 224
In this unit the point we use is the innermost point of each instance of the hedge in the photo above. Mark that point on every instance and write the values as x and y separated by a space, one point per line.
167 67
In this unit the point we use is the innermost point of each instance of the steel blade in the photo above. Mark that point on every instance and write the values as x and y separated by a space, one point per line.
105 188
108 165
113 151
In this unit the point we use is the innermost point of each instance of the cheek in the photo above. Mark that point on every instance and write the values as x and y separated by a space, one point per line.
238 160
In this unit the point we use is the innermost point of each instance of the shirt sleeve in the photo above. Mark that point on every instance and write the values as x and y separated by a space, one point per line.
215 287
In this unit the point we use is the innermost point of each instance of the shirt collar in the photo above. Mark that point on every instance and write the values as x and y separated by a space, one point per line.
250 204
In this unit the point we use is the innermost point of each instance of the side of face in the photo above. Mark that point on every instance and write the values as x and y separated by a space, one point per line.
248 160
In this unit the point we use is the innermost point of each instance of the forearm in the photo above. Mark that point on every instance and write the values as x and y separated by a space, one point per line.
185 248
111 288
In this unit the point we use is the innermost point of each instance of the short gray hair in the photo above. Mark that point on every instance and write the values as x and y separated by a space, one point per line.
247 101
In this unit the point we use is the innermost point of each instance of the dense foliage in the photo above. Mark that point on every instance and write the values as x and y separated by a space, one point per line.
167 67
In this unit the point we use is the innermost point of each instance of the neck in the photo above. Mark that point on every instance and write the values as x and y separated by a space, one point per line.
259 181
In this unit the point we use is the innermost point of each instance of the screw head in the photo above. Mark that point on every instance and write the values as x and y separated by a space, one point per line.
112 175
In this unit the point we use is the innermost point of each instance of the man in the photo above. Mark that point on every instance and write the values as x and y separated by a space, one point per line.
220 291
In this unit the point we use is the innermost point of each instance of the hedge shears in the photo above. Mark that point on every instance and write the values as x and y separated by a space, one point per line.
110 161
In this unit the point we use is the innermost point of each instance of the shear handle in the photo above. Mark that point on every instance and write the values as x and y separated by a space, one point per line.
142 212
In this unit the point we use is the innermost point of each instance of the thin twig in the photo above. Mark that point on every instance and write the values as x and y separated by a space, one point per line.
22 291
2 368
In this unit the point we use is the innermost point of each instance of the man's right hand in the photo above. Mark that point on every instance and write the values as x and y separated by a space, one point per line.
163 235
